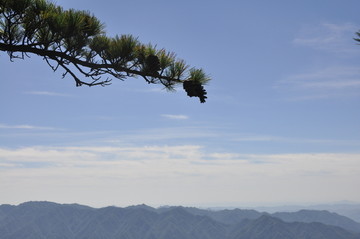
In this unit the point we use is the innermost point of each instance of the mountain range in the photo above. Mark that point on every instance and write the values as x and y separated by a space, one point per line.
348 209
35 220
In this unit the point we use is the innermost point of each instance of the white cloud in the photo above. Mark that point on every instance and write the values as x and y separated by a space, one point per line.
329 37
47 93
25 126
2 165
329 82
173 175
176 117
248 138
330 77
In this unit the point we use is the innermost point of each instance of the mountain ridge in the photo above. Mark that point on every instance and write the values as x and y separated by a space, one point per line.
32 220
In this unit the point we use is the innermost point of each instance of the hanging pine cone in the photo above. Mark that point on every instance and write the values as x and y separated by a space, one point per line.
152 64
194 88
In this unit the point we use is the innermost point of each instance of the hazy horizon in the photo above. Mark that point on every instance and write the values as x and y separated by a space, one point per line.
268 206
248 205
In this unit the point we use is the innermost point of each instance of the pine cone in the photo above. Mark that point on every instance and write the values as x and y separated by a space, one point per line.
152 64
194 88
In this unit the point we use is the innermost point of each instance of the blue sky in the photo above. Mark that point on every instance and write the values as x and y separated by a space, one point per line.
281 124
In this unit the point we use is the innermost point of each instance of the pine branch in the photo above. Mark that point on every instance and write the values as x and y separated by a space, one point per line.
75 41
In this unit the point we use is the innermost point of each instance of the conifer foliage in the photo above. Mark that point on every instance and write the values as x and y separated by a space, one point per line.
358 34
75 42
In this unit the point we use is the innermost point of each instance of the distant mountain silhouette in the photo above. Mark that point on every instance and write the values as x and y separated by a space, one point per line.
238 215
34 220
227 216
347 209
319 216
267 227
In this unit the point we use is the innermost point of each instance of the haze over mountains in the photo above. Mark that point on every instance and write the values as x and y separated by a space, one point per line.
33 220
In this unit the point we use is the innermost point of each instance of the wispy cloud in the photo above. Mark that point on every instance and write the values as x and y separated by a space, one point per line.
329 82
249 138
25 126
329 37
12 165
47 93
292 140
338 80
337 77
175 117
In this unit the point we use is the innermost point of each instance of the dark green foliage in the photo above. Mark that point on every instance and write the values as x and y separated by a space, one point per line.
76 42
